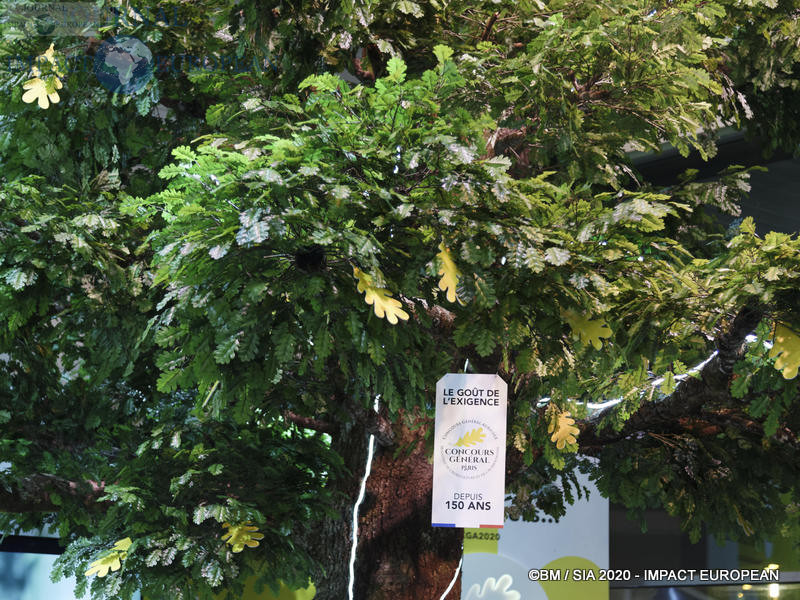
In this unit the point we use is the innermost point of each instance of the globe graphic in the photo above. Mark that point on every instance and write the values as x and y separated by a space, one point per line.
45 24
123 64
35 24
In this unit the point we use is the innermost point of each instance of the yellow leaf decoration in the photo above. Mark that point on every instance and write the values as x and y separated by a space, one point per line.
786 346
49 55
449 272
123 544
471 438
101 566
587 330
42 91
562 426
380 299
40 88
743 523
111 561
242 535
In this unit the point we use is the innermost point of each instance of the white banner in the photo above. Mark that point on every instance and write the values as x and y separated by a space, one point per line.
469 452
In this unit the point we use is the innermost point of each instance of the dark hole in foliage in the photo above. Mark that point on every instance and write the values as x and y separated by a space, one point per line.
310 258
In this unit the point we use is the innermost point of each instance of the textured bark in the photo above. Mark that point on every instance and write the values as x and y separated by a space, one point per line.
400 556
32 494
331 542
711 387
309 422
331 547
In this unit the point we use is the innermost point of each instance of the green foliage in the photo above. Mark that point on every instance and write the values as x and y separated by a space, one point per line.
719 485
177 269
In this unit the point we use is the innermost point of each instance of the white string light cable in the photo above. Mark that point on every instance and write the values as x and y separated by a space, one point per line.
359 500
455 578
595 406
461 560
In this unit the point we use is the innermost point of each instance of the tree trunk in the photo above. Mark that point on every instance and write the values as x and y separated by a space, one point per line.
400 556
330 543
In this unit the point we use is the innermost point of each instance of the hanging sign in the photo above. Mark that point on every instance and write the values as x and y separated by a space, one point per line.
469 451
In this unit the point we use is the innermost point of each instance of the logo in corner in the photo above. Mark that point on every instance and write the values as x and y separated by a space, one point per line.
123 64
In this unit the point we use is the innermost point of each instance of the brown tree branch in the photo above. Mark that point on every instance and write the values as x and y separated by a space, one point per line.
309 422
711 386
33 493
488 28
